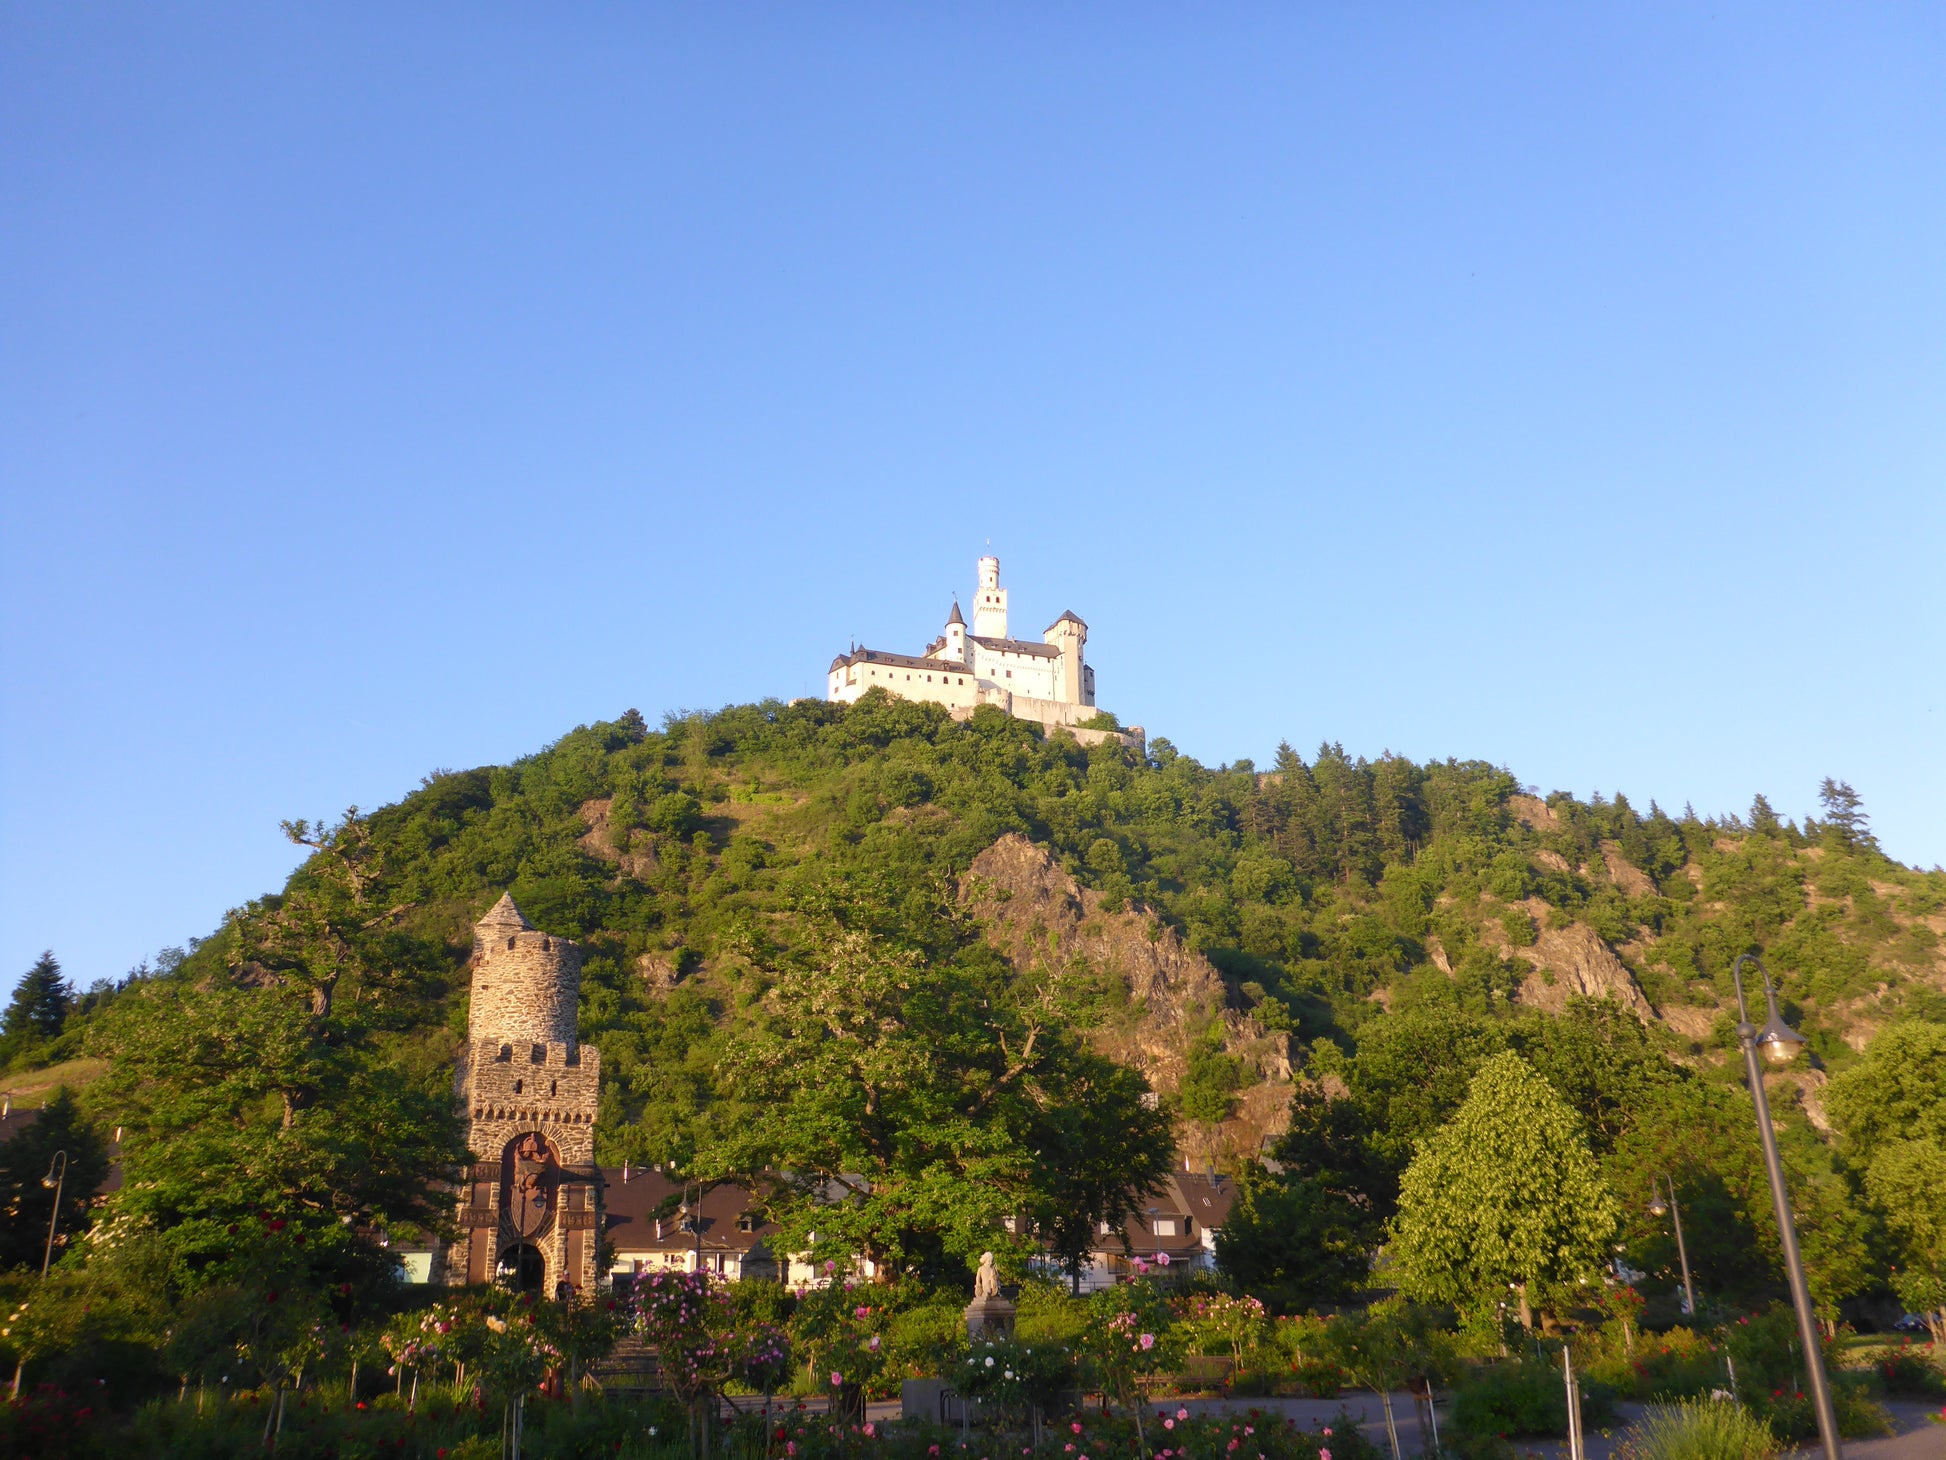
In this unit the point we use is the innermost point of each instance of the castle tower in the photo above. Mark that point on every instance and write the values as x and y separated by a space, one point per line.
954 647
990 603
530 1210
1076 682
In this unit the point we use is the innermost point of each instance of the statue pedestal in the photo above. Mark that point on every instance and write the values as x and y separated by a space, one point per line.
990 1318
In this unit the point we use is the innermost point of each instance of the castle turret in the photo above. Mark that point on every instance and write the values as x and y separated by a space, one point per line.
953 645
990 603
526 984
1075 682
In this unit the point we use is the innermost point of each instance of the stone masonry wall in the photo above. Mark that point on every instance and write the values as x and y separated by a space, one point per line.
527 988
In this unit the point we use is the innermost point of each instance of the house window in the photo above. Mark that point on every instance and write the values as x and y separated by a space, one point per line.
1165 1226
746 1223
1107 1229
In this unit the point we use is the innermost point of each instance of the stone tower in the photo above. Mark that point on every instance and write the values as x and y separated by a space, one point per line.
530 1211
990 603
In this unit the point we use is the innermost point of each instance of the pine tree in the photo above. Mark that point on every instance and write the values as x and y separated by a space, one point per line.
1844 814
40 1004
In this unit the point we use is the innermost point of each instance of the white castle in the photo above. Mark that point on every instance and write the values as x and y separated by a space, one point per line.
1048 681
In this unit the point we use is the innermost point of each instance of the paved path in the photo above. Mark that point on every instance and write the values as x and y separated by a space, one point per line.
1915 1435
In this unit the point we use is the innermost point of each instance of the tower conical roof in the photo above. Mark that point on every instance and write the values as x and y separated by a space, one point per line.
504 915
955 618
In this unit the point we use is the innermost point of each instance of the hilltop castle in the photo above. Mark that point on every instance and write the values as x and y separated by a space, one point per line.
1048 681
530 1211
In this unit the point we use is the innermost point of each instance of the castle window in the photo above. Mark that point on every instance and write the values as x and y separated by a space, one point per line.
510 942
538 1054
554 1087
517 1085
506 1051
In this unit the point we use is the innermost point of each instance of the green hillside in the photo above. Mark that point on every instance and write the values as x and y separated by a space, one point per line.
684 857
1389 924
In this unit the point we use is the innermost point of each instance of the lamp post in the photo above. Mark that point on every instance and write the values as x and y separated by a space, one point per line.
55 1180
1656 1208
1779 1044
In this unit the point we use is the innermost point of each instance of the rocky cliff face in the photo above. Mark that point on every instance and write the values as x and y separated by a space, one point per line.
1037 914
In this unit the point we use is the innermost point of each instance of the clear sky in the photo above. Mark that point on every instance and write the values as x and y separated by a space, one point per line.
391 387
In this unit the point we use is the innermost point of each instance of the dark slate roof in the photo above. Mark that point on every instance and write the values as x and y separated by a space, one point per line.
1199 1203
629 1215
1070 617
955 618
1019 646
902 661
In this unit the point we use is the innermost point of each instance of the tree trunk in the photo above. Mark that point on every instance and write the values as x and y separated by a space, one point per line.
1526 1312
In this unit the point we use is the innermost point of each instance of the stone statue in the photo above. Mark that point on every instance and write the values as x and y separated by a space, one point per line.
986 1282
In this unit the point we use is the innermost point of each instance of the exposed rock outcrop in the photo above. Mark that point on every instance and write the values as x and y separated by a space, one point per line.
1570 962
1037 914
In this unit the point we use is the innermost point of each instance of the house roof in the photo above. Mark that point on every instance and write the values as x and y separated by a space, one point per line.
630 1210
1194 1203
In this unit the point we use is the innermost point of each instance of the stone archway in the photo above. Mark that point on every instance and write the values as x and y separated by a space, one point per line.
523 1268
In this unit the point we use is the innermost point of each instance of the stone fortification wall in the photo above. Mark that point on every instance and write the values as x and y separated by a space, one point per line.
552 1087
526 989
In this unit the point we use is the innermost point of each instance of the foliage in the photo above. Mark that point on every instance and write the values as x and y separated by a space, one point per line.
249 1114
1014 1376
683 1315
1699 1429
38 1010
1505 1195
930 1098
1294 1241
1911 1371
27 1202
1521 1397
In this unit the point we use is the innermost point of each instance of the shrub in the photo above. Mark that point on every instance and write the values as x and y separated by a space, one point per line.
1523 1397
1699 1429
1909 1371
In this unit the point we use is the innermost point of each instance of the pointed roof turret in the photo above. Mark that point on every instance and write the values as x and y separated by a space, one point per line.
504 916
954 617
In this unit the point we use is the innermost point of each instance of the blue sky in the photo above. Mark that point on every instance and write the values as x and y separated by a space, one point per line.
392 387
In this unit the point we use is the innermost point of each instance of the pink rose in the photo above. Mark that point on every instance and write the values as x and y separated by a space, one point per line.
1148 1340
836 1379
1324 1455
1182 1414
1168 1424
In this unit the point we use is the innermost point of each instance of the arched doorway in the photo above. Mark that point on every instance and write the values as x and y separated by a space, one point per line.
523 1268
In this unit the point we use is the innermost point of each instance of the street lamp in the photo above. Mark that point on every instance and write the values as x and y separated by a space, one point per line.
1658 1207
56 1178
1780 1044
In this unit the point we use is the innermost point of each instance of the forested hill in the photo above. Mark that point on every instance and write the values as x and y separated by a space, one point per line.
693 860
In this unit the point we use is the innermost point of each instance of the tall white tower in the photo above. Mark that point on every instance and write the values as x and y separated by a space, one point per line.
990 603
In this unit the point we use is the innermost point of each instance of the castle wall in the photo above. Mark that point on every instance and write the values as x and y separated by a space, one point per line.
1037 676
945 683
